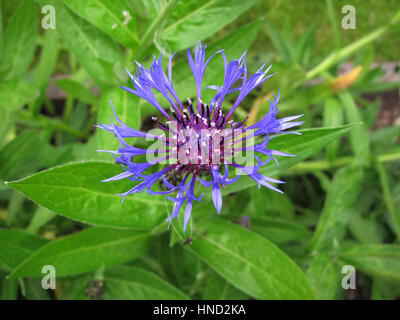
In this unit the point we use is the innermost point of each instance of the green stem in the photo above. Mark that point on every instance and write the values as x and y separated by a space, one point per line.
69 102
392 156
346 51
147 38
69 107
333 20
321 165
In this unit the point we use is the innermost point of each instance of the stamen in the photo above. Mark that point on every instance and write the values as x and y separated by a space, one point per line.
178 119
191 108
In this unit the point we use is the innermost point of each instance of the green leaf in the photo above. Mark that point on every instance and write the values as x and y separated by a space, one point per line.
127 108
218 288
48 59
384 138
168 262
15 153
333 117
8 119
366 230
9 100
195 20
364 58
14 207
115 18
336 56
40 218
29 145
269 203
85 251
34 290
278 230
335 214
282 45
334 22
382 260
324 276
310 142
305 46
384 289
16 246
131 283
9 290
75 287
87 43
394 212
250 262
150 7
20 40
76 191
1 34
359 136
77 90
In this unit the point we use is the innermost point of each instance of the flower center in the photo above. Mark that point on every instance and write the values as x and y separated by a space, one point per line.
198 139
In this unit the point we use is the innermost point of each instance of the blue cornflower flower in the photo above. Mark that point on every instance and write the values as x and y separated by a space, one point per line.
200 141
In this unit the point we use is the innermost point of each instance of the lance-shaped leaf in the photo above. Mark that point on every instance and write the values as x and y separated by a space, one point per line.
20 40
324 276
219 289
87 43
9 101
394 212
196 20
359 136
48 59
115 18
250 262
13 156
133 283
337 208
76 191
279 230
16 246
333 116
382 260
85 251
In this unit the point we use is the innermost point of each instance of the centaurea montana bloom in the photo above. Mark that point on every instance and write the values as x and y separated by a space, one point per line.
201 141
